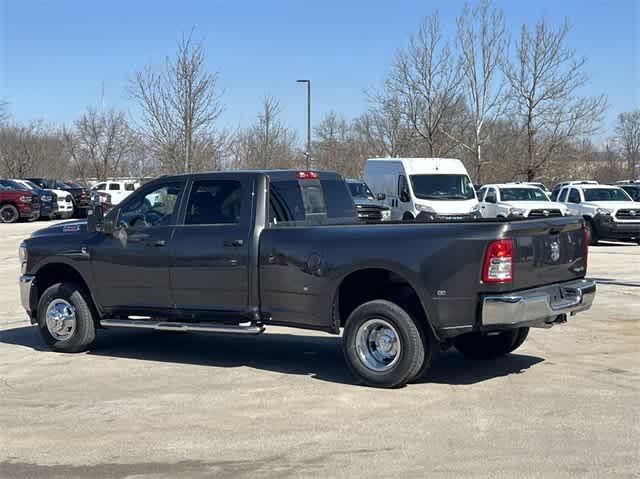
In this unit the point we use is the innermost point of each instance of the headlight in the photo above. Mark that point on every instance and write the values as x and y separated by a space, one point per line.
23 253
517 212
603 211
425 209
25 199
386 215
46 198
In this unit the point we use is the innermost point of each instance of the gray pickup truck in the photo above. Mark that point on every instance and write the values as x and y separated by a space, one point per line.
235 252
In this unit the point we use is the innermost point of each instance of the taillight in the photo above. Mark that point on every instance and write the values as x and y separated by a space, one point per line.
498 262
307 175
585 246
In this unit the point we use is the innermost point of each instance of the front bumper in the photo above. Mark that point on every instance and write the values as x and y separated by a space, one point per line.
537 307
26 287
607 228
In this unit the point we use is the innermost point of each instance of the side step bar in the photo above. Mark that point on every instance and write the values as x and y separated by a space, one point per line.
186 327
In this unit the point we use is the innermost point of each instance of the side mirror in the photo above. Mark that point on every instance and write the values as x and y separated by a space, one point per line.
404 196
381 196
96 220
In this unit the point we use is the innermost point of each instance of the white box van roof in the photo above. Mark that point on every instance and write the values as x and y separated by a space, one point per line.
426 166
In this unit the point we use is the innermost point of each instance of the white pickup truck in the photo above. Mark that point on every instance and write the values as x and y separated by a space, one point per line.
117 190
516 200
609 211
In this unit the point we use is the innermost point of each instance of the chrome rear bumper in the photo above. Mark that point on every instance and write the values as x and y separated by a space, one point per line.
538 306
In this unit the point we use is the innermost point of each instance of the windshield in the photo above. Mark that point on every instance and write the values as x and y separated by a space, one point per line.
522 194
360 190
442 187
605 194
13 185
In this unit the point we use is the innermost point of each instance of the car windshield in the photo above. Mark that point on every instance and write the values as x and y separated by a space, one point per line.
605 194
13 185
360 190
522 194
442 187
633 191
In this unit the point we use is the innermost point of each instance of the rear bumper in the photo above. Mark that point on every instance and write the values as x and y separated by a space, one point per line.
539 306
606 228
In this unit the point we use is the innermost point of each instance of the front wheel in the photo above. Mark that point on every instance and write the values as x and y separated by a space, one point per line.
592 236
9 214
66 319
382 345
490 346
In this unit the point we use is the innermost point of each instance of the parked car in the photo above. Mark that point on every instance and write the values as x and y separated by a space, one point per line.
369 207
63 203
559 186
17 203
235 252
519 200
439 187
47 198
117 190
632 189
609 212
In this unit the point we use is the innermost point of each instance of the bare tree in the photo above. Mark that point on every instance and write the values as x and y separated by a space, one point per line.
545 80
628 137
4 111
482 41
425 79
32 149
180 106
100 143
268 143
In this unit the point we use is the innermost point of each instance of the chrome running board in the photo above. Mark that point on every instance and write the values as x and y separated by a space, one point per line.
185 327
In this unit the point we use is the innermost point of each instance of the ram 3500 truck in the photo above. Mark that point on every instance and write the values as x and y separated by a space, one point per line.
236 252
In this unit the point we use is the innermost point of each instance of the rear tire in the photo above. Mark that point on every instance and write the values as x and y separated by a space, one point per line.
66 318
9 214
382 345
482 346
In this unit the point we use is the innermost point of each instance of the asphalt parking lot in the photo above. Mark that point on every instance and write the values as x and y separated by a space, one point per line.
161 405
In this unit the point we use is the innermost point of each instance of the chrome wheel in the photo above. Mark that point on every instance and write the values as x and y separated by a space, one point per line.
378 344
61 319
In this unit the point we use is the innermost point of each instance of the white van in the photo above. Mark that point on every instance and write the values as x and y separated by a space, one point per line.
411 186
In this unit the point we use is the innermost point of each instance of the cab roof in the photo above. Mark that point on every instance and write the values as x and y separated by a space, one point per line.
425 166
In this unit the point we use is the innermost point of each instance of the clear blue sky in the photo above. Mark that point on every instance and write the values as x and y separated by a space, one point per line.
55 55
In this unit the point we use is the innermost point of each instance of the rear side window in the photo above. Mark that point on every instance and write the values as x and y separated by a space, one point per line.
114 186
214 202
574 196
129 187
337 199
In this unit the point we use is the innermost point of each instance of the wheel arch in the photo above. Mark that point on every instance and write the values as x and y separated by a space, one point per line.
366 283
57 271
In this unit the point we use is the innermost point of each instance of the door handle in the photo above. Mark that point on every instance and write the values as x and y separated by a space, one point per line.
157 244
137 237
235 243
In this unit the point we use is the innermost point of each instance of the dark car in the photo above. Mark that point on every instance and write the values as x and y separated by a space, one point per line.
370 208
235 252
47 197
79 194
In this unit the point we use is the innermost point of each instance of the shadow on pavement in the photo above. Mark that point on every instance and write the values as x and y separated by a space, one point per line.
317 356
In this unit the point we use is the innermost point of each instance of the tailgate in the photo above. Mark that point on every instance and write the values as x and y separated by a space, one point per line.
547 251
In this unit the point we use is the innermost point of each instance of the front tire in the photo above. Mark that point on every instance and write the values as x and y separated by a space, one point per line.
407 216
483 346
9 214
382 345
592 236
66 318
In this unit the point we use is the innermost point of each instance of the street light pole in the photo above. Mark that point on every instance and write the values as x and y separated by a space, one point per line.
308 152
